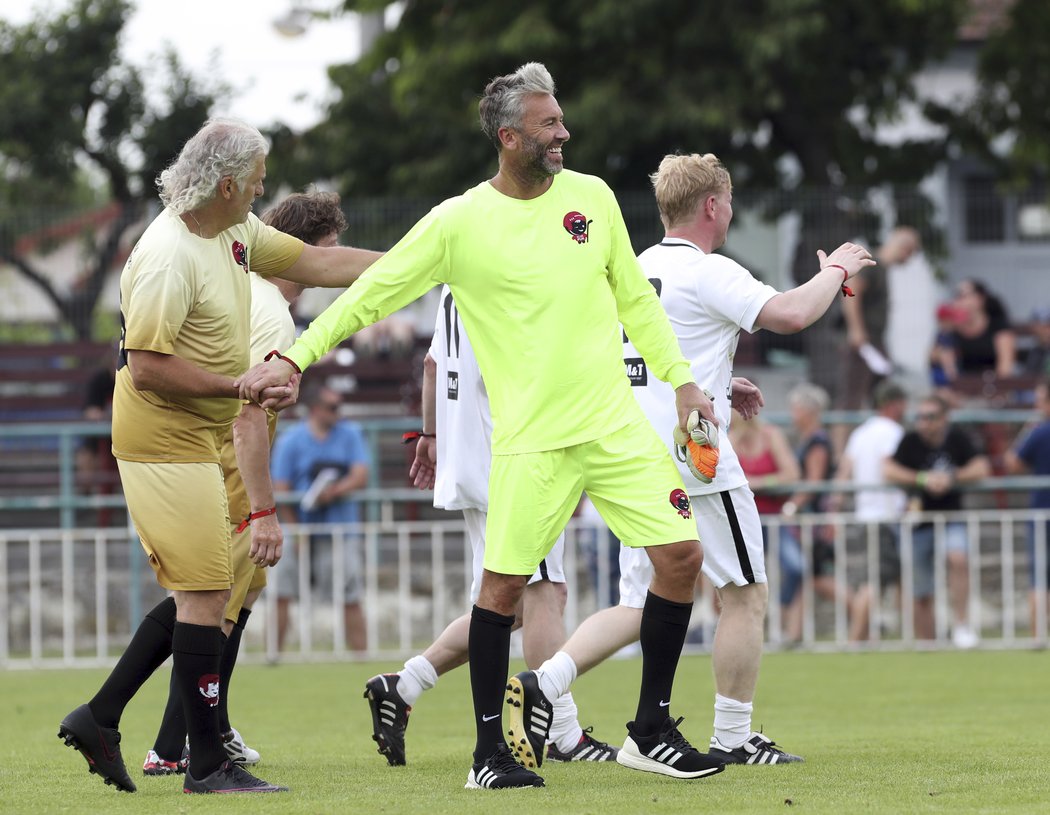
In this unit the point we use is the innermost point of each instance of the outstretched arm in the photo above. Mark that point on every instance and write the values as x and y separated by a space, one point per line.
330 266
800 307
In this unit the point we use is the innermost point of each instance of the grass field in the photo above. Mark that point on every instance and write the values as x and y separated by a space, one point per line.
882 733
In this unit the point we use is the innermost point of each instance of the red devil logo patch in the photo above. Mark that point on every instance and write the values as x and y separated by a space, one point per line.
680 501
577 225
240 254
208 685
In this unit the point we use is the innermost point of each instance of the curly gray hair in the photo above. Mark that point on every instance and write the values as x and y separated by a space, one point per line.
222 147
503 103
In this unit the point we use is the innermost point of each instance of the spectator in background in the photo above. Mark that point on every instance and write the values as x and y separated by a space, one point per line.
767 460
913 296
932 461
1037 360
979 338
813 449
1031 454
95 466
393 336
868 447
863 361
327 460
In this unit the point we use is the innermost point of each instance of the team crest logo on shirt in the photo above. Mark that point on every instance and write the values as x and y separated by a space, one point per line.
208 685
680 501
577 225
240 254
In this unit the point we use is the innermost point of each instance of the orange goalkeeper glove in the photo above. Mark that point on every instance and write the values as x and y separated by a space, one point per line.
698 447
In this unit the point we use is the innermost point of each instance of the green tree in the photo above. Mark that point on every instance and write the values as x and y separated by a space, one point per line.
78 129
790 92
1008 123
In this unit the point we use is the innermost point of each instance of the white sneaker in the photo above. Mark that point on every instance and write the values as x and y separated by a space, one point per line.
237 750
964 637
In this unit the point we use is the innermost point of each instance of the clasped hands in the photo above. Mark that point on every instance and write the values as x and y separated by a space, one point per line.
272 385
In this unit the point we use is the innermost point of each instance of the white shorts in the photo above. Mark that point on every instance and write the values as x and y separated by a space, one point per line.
730 532
551 568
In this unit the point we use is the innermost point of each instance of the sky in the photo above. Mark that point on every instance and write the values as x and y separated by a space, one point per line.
276 78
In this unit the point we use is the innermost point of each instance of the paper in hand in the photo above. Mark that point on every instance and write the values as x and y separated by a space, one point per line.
875 360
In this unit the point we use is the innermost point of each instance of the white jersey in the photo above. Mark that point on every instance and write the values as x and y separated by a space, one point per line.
708 299
273 328
464 421
868 446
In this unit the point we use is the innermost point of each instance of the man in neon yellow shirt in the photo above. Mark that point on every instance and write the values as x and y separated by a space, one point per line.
542 269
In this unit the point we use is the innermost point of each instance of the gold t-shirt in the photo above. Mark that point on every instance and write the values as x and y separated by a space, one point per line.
189 296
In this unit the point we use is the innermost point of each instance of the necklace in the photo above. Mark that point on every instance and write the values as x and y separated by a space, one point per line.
199 230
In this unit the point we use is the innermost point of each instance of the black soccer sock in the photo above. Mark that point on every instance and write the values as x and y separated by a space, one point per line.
196 651
489 653
664 625
172 734
148 649
229 659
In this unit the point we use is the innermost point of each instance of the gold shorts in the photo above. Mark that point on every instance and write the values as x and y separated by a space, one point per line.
181 516
247 577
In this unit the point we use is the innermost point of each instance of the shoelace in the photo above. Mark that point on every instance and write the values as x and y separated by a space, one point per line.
673 737
768 743
601 745
242 776
503 761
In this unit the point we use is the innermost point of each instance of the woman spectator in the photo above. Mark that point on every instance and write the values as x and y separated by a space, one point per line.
979 338
767 460
807 404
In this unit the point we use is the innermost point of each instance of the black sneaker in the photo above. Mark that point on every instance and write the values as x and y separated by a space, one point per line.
389 717
531 715
588 749
229 777
99 745
500 771
667 753
758 749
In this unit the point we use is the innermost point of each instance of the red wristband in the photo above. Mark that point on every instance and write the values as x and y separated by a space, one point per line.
846 290
262 513
281 356
415 435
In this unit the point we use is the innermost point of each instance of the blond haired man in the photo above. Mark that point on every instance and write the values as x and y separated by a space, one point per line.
709 299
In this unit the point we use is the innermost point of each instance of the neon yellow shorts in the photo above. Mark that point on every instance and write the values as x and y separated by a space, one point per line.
181 516
247 577
628 475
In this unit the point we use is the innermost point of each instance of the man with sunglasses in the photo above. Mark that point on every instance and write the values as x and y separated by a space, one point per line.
932 461
326 459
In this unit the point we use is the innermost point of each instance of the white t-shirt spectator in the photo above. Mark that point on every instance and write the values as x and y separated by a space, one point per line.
868 446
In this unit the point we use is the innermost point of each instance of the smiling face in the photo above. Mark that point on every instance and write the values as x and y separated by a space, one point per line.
541 136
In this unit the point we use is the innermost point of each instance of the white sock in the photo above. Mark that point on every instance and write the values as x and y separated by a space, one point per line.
556 675
565 728
732 721
418 675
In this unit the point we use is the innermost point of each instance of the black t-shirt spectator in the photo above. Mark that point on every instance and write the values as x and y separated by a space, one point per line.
956 451
977 354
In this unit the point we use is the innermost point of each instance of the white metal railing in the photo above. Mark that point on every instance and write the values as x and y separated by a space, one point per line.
65 594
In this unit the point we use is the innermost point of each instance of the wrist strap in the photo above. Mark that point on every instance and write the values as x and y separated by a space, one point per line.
262 513
415 435
846 290
282 357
